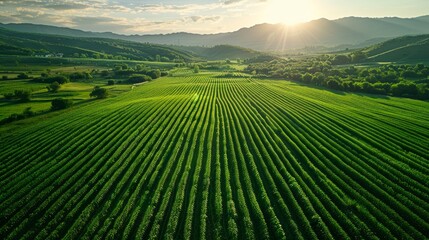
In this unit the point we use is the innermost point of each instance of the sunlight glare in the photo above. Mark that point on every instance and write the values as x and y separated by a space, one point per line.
288 11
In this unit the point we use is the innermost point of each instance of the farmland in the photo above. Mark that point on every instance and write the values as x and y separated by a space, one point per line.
202 157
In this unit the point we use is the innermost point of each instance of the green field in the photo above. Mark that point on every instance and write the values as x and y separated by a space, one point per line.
41 98
201 157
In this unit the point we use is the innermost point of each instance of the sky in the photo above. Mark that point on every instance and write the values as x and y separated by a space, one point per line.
196 16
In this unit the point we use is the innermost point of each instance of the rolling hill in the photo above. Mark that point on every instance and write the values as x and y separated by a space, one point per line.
23 43
347 31
20 43
407 48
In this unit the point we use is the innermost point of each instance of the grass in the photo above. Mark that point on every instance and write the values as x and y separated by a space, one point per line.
41 98
197 156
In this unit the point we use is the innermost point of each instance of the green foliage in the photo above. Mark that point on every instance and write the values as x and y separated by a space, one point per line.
341 59
220 52
51 79
80 76
404 89
164 59
407 48
111 82
18 116
99 92
395 80
139 78
9 96
60 103
23 76
23 95
196 69
154 73
28 44
53 87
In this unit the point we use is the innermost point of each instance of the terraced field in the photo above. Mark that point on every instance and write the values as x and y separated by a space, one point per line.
201 157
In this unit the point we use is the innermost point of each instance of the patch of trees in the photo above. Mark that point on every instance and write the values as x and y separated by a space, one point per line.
79 76
139 78
51 79
396 80
99 93
215 66
23 76
133 74
61 103
196 69
22 95
53 87
355 57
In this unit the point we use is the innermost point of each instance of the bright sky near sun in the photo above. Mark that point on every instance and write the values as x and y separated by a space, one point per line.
199 16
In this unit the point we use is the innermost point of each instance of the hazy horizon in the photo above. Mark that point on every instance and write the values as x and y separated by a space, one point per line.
195 16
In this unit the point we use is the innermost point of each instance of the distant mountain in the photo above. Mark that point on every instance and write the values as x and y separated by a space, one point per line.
347 31
46 29
402 49
21 43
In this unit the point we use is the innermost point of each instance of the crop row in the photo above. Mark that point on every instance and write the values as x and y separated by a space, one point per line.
202 157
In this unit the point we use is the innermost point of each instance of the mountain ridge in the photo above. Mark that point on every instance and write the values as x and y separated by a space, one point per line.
267 37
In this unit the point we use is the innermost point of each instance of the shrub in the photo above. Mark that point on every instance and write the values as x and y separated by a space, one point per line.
23 95
139 78
22 76
4 77
99 93
18 116
104 73
404 89
165 59
53 87
80 76
196 69
59 79
9 95
60 103
28 112
154 74
111 82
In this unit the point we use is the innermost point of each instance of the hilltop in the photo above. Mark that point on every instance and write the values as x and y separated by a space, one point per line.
406 48
24 43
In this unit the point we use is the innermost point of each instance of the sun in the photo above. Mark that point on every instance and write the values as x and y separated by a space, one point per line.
289 11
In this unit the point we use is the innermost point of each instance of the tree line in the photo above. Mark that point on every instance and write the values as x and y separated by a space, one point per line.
410 81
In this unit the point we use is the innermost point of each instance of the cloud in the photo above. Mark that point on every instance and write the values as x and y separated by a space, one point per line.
66 6
204 18
102 23
176 9
229 2
241 2
37 16
124 16
56 5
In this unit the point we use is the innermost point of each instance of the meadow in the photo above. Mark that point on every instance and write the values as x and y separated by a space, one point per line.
78 91
198 156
